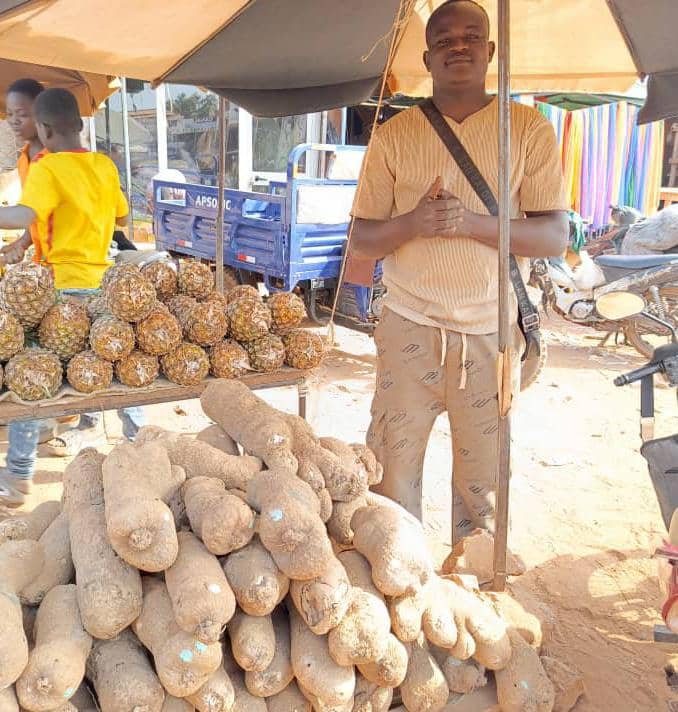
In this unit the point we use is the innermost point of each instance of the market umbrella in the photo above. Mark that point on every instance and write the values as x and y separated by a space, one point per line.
90 89
278 57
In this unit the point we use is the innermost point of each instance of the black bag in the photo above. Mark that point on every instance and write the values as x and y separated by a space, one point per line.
528 316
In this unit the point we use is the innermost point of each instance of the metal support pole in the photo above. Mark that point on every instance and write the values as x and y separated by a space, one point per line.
221 183
128 157
161 125
504 336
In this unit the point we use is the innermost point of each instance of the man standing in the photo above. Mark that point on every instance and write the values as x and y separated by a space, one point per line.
437 338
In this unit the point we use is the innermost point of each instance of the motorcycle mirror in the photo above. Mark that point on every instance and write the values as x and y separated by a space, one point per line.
616 306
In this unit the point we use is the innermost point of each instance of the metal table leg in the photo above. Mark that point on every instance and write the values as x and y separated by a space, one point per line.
303 398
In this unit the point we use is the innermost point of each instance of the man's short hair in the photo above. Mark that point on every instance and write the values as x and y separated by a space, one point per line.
435 15
26 87
58 109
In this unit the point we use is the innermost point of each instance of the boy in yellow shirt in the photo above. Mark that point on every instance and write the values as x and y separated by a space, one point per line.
75 199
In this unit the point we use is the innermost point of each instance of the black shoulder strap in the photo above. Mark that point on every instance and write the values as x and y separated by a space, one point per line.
529 316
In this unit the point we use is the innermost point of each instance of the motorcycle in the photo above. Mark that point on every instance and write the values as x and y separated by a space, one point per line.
572 292
661 453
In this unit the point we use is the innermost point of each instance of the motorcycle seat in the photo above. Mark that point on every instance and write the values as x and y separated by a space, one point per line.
634 262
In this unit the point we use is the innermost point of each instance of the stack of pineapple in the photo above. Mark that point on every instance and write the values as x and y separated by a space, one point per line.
151 320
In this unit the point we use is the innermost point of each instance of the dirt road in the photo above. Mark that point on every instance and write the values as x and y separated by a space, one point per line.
584 515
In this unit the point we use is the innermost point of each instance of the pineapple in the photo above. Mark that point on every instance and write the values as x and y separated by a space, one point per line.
242 290
288 311
162 274
229 359
182 306
303 349
27 292
117 271
88 373
64 329
2 377
137 370
159 333
34 374
267 354
11 336
207 324
187 366
250 319
195 279
96 307
111 339
129 295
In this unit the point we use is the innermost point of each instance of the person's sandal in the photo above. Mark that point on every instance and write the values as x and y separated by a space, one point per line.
13 490
71 442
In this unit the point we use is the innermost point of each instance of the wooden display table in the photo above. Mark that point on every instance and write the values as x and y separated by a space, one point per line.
668 196
161 393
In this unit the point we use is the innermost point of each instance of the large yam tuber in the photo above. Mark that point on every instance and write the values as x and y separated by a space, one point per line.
523 685
183 663
339 523
252 641
424 688
265 432
320 705
201 596
257 582
290 699
289 525
8 701
223 521
216 437
244 701
30 525
370 697
279 674
138 481
109 589
176 704
390 670
375 471
199 459
314 668
56 666
352 461
216 695
82 700
395 545
20 563
324 600
463 676
407 613
363 634
123 677
58 569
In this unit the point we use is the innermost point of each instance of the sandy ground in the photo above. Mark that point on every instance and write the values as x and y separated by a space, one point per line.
584 515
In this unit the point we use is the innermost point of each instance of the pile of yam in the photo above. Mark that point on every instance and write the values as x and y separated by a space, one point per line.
248 569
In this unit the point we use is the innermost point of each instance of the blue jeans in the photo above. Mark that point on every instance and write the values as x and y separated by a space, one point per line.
24 436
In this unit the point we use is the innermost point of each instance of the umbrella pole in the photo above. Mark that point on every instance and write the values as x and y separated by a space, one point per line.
128 157
504 335
220 199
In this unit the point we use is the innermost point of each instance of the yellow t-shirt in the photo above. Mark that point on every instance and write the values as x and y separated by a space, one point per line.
77 198
453 282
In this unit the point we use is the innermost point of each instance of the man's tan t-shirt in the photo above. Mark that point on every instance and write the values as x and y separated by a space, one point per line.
453 282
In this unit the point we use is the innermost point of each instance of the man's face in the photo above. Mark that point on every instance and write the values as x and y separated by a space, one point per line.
20 116
459 50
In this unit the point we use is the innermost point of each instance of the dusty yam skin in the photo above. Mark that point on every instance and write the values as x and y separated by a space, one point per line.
202 598
216 437
407 613
200 459
183 663
252 641
83 481
339 524
82 700
315 669
258 584
320 705
279 674
58 569
223 521
20 563
289 524
370 697
30 525
123 677
8 701
324 600
390 670
244 701
289 700
216 695
463 676
425 688
175 704
140 525
56 666
523 685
